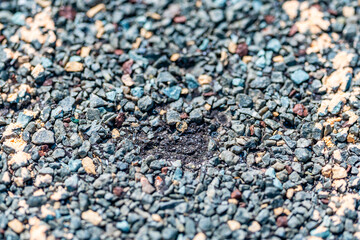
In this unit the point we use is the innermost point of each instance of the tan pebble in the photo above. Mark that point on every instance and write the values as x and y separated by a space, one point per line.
16 226
204 79
115 133
247 59
234 225
298 188
6 177
39 192
74 67
137 43
291 8
290 193
19 181
181 126
339 185
348 11
254 227
328 142
190 43
184 91
43 3
43 179
278 211
233 201
88 165
94 10
127 80
91 217
350 138
223 58
232 47
20 158
339 172
175 57
58 195
278 59
37 70
342 59
100 28
38 232
154 16
287 211
207 106
84 52
156 217
326 171
200 236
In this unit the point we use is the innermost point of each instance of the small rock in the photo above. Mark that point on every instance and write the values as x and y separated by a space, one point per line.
16 226
303 154
300 110
234 225
74 67
88 165
339 172
274 45
146 186
254 227
229 157
299 76
91 217
124 226
145 103
204 79
43 136
200 236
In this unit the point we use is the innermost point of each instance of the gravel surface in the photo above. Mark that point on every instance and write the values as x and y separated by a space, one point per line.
155 119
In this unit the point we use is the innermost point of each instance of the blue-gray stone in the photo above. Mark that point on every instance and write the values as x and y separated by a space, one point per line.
238 82
260 62
137 92
67 104
277 184
274 45
191 81
270 172
71 183
45 62
43 136
18 18
23 119
57 112
337 107
172 92
75 59
124 226
348 81
111 96
299 76
178 174
322 234
74 165
204 44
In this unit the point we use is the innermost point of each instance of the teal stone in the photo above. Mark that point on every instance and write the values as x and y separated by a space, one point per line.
274 45
172 92
299 76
